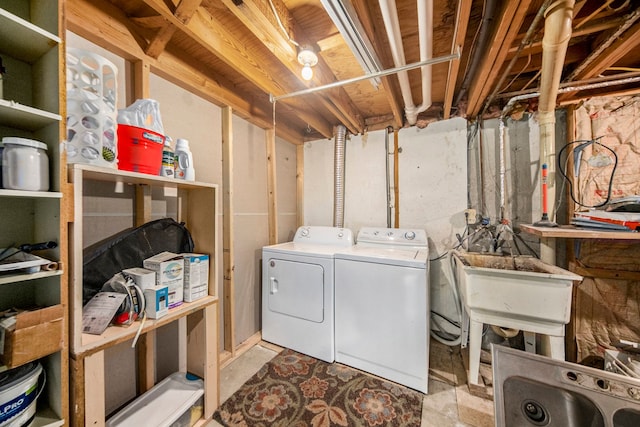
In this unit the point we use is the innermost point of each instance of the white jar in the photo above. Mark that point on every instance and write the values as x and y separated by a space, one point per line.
25 164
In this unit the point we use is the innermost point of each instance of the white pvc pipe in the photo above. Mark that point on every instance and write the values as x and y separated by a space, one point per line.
425 32
557 33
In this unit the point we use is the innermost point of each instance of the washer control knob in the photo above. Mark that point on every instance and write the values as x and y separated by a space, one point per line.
375 233
304 232
389 233
340 234
410 235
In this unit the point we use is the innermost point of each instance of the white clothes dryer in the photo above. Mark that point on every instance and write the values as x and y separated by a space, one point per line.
382 305
298 290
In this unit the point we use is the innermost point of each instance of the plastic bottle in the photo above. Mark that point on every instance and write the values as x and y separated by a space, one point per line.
184 161
168 159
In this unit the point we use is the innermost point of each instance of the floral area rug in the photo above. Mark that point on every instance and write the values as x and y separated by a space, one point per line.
294 390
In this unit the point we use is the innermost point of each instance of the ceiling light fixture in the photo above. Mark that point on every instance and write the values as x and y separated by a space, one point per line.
307 58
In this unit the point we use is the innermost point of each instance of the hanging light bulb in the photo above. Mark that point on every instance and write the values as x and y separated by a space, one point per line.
307 72
307 58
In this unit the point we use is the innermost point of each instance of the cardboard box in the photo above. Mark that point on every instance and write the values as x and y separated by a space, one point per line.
144 278
157 302
33 335
169 269
196 276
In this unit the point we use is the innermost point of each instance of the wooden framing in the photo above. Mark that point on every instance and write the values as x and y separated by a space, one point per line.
227 232
198 341
272 186
299 185
462 21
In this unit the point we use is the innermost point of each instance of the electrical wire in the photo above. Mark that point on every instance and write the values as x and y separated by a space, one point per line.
284 30
582 145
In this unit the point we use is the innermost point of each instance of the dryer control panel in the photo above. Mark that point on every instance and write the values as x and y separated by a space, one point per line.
321 235
392 237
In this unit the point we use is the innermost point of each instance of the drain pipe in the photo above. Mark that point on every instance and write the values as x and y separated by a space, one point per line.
557 33
425 33
338 178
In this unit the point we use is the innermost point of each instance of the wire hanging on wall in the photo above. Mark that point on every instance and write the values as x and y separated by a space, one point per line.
582 144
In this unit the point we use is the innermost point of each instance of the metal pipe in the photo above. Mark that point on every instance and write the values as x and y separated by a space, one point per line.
383 73
501 157
483 38
387 177
338 178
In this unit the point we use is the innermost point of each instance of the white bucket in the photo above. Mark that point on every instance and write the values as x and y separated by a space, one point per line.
19 392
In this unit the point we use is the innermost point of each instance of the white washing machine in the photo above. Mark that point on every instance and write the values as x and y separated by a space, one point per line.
298 290
382 305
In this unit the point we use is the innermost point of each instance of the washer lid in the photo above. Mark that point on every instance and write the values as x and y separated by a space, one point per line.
403 257
302 249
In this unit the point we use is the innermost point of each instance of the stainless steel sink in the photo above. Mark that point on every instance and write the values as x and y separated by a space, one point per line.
533 390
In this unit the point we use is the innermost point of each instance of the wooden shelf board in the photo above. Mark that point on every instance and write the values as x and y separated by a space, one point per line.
571 232
12 278
23 117
97 173
31 194
23 40
118 334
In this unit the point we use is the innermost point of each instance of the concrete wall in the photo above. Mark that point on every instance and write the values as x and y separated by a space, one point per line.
432 170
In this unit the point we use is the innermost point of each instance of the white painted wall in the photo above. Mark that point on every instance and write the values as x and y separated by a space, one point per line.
432 184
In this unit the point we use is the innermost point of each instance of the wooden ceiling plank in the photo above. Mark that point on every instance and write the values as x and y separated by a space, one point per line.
212 35
508 28
626 43
105 25
259 19
462 22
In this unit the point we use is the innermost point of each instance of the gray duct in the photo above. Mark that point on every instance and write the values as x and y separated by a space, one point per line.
338 178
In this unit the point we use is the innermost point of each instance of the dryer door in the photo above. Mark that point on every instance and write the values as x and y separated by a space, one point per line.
296 289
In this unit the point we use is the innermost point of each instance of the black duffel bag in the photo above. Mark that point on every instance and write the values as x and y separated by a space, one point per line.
128 249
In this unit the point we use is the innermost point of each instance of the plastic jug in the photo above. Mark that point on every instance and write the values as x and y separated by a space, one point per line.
184 161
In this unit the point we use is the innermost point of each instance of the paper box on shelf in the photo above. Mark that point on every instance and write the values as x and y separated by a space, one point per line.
157 301
169 272
30 335
144 278
196 276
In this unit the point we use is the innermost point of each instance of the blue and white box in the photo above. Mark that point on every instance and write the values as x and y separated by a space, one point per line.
169 272
196 276
157 301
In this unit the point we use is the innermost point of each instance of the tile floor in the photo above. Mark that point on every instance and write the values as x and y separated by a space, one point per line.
448 403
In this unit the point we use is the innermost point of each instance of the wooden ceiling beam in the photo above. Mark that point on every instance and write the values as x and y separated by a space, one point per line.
626 43
105 25
460 32
184 12
510 22
258 17
211 34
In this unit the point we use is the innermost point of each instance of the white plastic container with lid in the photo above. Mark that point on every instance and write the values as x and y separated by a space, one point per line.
25 164
184 161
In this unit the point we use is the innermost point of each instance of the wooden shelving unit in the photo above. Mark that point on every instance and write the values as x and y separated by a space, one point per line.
197 320
32 106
